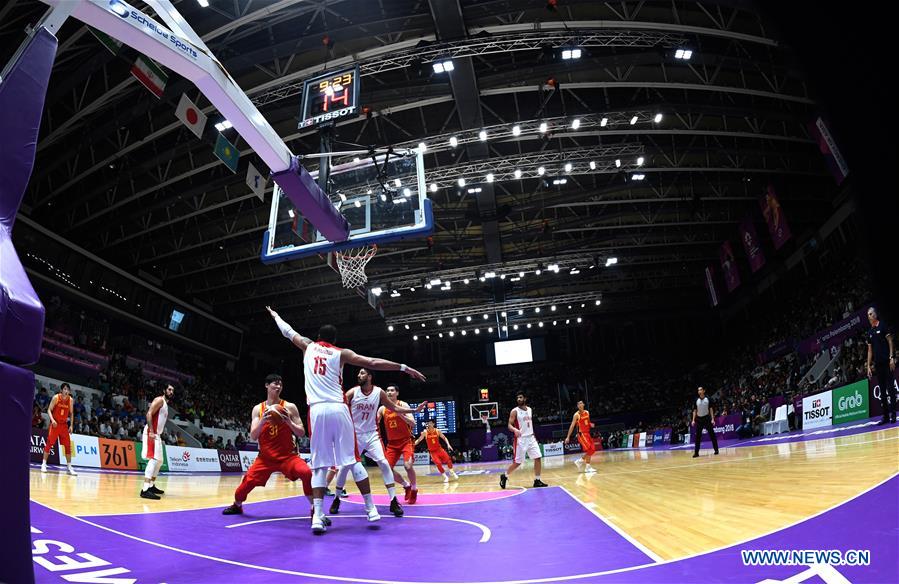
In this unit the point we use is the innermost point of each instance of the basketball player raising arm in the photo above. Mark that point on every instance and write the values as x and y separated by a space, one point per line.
346 355
331 431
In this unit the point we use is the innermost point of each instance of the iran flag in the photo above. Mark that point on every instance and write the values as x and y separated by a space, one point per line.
150 75
191 116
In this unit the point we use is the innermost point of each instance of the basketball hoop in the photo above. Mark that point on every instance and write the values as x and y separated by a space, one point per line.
352 262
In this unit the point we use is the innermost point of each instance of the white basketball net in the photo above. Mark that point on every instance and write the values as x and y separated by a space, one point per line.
352 262
485 418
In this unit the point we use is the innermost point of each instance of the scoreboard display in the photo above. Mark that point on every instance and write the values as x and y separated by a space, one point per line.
441 410
330 97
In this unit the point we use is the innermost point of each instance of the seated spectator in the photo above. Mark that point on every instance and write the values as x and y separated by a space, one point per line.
43 399
37 420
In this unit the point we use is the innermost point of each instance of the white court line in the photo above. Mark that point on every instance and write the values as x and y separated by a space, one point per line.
726 460
486 534
528 581
654 556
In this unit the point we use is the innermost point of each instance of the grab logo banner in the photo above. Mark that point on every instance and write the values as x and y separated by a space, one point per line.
817 410
850 403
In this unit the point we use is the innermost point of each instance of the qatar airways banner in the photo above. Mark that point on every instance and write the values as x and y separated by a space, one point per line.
775 218
750 240
729 266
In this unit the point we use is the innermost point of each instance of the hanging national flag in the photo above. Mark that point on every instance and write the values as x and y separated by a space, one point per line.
150 75
191 115
729 266
226 152
256 182
774 216
110 43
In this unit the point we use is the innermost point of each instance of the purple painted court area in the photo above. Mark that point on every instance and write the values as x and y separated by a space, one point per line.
516 536
529 539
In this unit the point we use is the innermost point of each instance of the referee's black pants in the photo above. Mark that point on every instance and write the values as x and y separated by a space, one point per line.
885 380
705 422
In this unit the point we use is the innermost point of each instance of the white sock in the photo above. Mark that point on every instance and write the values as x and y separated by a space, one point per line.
536 477
391 492
404 482
317 507
414 486
369 503
147 485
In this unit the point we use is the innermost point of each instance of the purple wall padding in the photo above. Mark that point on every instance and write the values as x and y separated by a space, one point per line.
22 95
313 203
16 399
21 105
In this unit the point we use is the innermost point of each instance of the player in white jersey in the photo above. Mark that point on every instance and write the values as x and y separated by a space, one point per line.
331 434
151 447
364 401
521 424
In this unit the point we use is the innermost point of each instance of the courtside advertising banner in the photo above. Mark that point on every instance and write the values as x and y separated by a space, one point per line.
229 461
247 457
573 446
421 458
38 441
850 403
874 405
553 449
817 410
86 450
142 462
118 454
192 459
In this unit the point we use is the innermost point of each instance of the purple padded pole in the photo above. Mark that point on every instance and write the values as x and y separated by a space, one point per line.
313 203
22 94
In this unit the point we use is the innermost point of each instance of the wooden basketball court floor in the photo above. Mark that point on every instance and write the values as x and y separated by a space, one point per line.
665 503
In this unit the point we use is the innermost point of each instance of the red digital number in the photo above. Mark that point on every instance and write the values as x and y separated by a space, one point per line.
320 366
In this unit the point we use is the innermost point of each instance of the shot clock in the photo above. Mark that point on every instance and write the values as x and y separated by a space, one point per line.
330 97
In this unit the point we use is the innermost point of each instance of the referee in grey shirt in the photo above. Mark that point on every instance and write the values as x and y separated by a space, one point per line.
702 418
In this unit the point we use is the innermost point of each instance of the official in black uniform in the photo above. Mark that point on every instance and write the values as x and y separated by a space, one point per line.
703 412
882 363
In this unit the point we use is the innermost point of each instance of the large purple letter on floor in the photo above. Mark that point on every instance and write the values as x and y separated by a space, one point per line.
22 94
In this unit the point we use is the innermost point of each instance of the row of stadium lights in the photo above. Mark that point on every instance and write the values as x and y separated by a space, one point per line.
447 285
477 331
516 131
504 314
568 53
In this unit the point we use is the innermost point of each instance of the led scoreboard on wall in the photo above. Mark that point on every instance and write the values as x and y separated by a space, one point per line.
330 97
441 410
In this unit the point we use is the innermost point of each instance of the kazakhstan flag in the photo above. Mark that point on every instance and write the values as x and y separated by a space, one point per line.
226 152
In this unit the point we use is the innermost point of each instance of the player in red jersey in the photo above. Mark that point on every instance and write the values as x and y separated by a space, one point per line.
399 442
60 410
581 419
438 454
275 423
